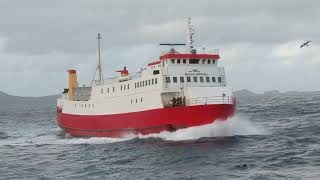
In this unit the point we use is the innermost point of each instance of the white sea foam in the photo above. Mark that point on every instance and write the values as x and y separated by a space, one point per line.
231 127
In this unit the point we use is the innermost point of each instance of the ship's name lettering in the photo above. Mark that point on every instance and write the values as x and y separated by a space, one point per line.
196 74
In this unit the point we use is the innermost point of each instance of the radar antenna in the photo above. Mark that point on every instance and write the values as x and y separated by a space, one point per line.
190 33
99 67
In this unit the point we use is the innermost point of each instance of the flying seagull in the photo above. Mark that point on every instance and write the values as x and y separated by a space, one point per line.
305 44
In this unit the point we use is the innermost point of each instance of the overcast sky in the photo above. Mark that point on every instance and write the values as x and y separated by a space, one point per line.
258 40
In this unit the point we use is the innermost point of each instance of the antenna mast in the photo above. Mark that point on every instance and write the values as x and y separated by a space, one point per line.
190 33
99 67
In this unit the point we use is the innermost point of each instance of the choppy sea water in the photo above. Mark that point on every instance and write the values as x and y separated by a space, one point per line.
271 137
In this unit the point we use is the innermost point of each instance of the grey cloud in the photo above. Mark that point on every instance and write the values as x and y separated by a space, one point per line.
70 26
258 40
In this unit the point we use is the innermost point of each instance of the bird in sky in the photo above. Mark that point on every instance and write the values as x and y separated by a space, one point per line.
305 44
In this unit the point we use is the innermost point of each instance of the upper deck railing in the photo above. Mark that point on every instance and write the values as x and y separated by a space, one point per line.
176 102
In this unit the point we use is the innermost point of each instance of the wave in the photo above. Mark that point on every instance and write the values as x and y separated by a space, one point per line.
231 127
235 126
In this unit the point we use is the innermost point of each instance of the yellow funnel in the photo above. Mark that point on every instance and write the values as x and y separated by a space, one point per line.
73 83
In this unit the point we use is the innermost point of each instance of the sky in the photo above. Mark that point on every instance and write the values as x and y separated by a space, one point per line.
258 41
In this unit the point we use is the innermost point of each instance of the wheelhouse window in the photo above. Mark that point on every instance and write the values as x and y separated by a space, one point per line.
209 61
155 72
207 79
181 79
188 79
201 79
175 79
194 61
167 79
203 61
172 61
213 79
213 61
178 61
184 61
195 79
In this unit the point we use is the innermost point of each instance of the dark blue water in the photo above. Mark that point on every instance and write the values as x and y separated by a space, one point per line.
274 137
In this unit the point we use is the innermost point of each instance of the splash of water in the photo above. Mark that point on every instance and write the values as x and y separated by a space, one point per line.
231 127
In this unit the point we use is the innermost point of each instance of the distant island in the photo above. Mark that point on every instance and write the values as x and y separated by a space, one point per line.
246 93
6 99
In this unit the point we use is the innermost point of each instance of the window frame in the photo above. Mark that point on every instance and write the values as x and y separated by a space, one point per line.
189 79
181 79
195 79
174 79
207 79
201 79
213 79
194 61
168 79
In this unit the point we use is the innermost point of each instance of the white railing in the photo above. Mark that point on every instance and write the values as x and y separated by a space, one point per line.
176 102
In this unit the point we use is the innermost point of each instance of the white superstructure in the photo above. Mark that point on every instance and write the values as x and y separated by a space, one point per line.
175 79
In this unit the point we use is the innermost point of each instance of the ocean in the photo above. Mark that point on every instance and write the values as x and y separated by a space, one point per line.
270 137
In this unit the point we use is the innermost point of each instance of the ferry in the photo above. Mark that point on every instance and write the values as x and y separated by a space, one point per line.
175 91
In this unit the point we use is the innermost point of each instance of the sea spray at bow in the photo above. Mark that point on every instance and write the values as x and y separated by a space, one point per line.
231 127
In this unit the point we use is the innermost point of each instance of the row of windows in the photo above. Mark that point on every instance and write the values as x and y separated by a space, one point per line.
193 61
124 87
146 83
194 79
91 105
85 105
137 100
112 89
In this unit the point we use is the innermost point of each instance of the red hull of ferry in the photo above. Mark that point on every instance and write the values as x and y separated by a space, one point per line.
144 122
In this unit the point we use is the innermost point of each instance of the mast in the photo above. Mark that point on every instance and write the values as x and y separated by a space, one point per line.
190 33
99 67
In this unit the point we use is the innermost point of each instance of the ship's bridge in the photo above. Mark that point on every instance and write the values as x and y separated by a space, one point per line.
191 75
